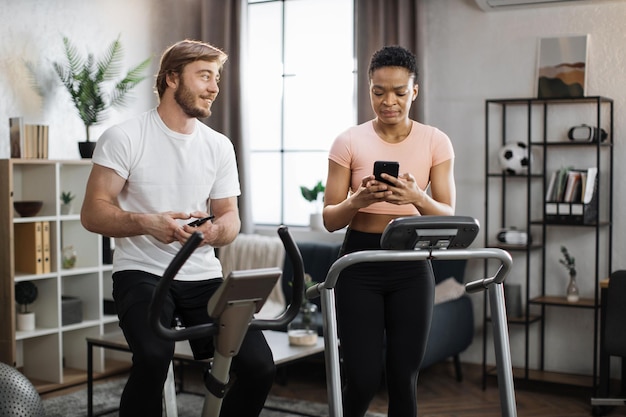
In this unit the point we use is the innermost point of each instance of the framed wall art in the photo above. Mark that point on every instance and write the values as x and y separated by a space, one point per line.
562 67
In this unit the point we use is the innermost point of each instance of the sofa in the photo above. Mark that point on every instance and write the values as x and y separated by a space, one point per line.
452 328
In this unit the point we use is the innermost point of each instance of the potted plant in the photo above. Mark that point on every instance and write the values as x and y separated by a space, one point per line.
95 84
570 264
315 196
66 202
25 294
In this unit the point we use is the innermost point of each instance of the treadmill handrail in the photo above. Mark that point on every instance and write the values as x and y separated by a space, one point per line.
383 255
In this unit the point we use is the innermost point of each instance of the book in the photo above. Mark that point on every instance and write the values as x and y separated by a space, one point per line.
44 151
559 186
28 247
29 142
551 186
590 184
34 141
16 132
572 185
45 242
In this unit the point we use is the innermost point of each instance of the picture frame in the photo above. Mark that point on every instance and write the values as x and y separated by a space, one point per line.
562 67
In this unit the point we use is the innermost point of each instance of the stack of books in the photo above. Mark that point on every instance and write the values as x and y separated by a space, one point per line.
27 140
571 196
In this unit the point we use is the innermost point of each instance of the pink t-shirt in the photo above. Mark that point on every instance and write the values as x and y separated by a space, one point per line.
358 147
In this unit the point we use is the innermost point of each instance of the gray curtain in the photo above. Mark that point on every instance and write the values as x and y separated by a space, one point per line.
223 25
380 23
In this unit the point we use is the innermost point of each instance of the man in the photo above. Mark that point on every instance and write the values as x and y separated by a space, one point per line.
151 176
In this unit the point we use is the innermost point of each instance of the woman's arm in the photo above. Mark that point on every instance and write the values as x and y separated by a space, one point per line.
339 206
442 198
442 189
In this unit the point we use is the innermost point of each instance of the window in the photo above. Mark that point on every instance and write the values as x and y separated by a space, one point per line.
300 93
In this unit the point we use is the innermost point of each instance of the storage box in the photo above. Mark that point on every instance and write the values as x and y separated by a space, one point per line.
571 213
71 310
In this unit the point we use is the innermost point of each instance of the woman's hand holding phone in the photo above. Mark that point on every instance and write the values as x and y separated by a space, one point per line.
386 167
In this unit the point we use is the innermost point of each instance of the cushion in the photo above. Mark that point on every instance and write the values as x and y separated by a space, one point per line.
448 289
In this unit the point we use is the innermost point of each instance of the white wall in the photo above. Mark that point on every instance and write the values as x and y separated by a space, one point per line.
471 56
32 31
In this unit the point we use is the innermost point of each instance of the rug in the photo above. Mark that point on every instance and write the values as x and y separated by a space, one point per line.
107 395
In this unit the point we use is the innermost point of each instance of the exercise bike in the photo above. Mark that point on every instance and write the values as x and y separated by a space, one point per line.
239 297
421 238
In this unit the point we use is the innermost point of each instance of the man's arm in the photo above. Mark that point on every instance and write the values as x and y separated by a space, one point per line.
102 214
223 229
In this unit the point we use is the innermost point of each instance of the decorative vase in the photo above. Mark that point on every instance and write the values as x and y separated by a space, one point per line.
302 330
69 257
572 289
86 149
25 321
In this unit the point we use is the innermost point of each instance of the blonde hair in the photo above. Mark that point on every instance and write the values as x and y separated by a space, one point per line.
177 56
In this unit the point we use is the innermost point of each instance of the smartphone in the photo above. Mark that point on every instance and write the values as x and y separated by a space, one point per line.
387 167
201 221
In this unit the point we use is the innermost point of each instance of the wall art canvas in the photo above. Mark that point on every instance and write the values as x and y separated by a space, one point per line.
562 68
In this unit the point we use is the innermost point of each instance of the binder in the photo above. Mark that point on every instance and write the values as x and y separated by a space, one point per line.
45 241
28 247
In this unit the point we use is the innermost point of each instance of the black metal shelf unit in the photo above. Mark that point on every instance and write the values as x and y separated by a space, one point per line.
545 122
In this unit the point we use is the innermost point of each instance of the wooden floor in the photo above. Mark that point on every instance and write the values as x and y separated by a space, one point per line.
439 394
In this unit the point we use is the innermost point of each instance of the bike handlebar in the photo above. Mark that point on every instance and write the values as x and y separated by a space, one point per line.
211 329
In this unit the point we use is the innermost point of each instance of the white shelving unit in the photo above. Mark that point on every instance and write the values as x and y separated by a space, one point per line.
53 355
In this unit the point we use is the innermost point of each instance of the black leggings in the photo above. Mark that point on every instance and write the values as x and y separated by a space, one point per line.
253 366
380 323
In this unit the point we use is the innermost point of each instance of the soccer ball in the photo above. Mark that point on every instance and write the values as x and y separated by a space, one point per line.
514 158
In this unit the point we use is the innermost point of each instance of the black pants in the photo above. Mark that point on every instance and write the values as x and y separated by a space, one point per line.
253 366
382 327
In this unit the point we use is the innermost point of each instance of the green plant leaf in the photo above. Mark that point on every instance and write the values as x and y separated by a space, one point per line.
94 85
310 194
67 197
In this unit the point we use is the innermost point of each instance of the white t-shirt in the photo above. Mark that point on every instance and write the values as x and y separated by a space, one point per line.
167 171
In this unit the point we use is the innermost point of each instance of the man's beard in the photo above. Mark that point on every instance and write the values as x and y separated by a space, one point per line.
186 100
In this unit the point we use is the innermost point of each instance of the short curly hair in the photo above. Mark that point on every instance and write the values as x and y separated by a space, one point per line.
393 56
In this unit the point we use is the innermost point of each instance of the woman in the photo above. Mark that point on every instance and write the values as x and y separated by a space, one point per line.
376 312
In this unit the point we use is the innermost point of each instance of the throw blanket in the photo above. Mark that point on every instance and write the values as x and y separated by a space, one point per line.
251 251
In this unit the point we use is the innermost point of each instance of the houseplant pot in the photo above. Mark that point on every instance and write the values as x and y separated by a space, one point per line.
25 322
316 221
86 149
